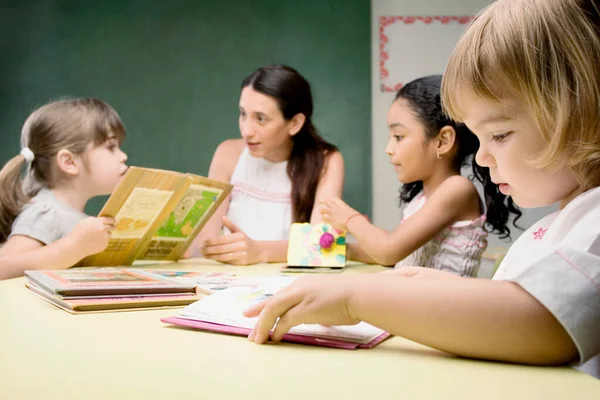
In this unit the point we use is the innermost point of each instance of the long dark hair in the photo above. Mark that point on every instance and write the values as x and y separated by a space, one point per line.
309 149
423 97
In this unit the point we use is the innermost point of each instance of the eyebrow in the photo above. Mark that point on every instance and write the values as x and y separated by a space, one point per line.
253 112
493 119
396 125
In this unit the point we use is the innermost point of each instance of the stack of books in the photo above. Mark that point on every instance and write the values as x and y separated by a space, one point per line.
86 290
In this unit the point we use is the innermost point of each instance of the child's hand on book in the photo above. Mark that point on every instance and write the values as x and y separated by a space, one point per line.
320 300
337 213
92 234
236 248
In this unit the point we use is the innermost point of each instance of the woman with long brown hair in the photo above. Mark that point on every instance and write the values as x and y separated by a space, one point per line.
280 169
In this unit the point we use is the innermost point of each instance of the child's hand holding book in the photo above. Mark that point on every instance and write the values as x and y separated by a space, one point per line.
91 235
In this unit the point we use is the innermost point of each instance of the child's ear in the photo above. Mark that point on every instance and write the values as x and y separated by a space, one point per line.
296 123
68 162
445 140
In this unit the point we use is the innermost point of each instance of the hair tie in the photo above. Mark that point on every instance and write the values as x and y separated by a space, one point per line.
28 154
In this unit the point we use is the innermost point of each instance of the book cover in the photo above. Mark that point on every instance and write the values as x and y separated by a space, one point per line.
222 312
105 281
139 204
316 245
186 219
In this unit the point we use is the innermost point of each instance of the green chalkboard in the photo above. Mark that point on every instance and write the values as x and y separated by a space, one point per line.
172 69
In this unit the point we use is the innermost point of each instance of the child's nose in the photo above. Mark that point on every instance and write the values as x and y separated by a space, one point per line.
389 150
484 158
123 157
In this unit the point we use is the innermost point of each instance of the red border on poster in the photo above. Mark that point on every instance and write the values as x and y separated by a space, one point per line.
385 21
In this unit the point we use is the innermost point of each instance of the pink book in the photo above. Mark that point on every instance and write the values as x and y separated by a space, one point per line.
289 337
222 312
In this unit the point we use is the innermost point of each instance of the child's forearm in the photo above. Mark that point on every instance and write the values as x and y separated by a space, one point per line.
486 319
374 241
61 254
356 253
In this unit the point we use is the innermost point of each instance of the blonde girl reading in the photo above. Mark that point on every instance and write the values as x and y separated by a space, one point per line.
531 94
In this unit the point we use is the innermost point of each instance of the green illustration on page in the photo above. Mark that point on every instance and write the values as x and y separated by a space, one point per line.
190 211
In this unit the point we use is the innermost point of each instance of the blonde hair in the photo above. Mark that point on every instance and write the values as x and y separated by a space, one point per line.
546 55
70 124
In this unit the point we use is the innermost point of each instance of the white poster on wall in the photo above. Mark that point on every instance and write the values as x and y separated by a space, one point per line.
414 46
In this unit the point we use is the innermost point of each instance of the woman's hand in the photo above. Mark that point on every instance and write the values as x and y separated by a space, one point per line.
236 248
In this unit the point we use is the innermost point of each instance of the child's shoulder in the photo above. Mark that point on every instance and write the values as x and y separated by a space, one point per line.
456 190
457 198
588 201
42 203
38 219
580 217
582 210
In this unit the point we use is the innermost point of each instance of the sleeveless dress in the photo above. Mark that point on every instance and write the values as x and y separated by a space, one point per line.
261 203
457 248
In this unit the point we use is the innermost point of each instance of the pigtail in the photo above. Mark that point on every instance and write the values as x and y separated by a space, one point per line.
12 197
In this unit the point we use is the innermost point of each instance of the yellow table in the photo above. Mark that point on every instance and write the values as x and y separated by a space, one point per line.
47 353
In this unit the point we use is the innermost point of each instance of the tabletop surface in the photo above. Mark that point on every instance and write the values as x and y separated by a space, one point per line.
47 353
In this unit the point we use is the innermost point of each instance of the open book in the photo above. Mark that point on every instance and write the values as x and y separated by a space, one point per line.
222 312
158 215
